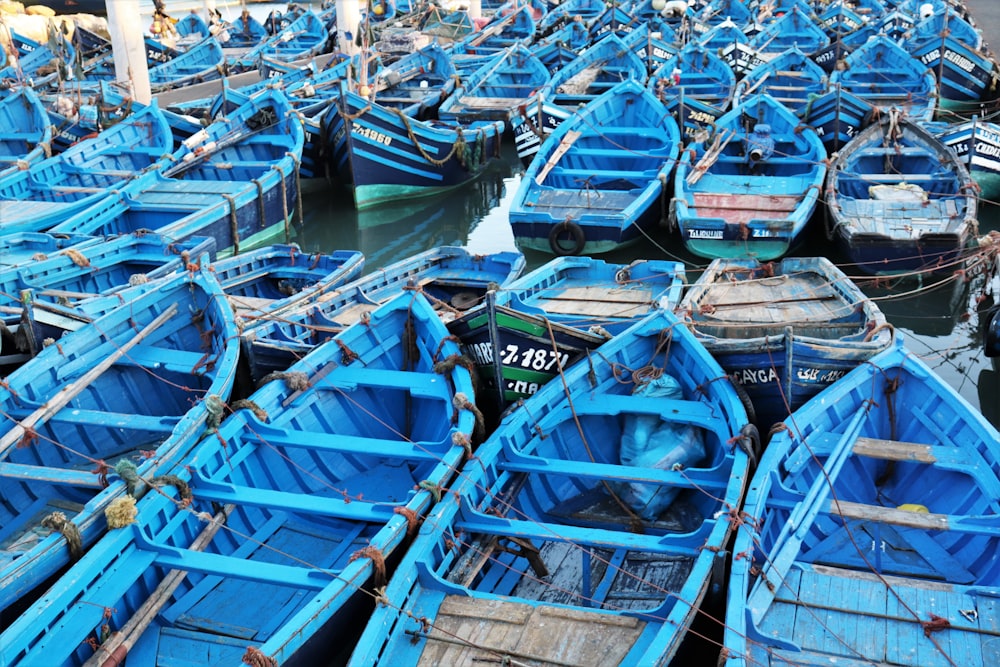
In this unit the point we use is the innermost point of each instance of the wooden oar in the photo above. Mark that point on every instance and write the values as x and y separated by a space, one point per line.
70 391
117 646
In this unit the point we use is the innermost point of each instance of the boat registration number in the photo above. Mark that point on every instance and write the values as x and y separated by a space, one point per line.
538 359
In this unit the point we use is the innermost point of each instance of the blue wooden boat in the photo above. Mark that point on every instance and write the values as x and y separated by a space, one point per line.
965 69
417 83
37 64
264 282
304 37
582 11
25 129
202 61
839 19
898 200
548 319
976 143
245 32
790 77
784 331
837 116
497 88
883 73
731 42
453 279
890 456
382 155
599 180
796 27
128 395
192 25
247 159
19 248
652 46
299 504
695 73
502 32
564 544
52 190
750 188
597 69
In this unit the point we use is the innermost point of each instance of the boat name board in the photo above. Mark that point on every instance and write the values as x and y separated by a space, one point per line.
371 135
768 375
957 58
534 358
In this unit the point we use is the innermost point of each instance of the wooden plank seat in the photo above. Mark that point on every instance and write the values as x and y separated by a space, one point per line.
340 507
425 385
114 420
47 474
675 545
178 361
669 409
490 102
348 444
685 479
228 566
598 175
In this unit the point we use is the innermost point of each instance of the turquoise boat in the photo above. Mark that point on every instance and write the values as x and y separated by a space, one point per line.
564 543
116 402
298 504
870 529
749 188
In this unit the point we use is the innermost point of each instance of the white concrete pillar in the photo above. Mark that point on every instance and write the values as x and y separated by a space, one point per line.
129 47
348 23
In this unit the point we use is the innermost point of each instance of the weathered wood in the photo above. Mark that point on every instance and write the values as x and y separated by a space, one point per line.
891 450
468 630
70 391
890 515
113 648
564 145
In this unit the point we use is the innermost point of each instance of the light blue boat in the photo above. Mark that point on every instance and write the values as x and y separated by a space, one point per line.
599 181
870 531
128 395
452 278
50 191
299 503
749 188
783 330
564 538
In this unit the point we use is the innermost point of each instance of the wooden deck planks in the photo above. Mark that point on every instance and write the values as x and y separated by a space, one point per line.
599 301
877 625
585 639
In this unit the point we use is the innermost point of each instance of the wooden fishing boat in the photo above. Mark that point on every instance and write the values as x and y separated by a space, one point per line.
953 48
784 331
248 160
591 74
565 543
25 130
570 11
750 188
304 37
890 456
883 73
202 61
126 396
495 90
417 83
796 27
599 180
245 32
976 143
453 279
695 73
521 335
308 494
22 247
264 282
790 77
52 190
837 116
898 200
382 155
731 42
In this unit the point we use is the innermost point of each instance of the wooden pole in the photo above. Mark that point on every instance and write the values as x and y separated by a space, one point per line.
70 391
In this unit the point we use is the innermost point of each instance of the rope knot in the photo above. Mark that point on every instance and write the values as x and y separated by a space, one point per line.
378 562
257 658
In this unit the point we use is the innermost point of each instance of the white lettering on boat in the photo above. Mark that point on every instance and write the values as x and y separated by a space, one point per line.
705 234
373 135
819 376
755 375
